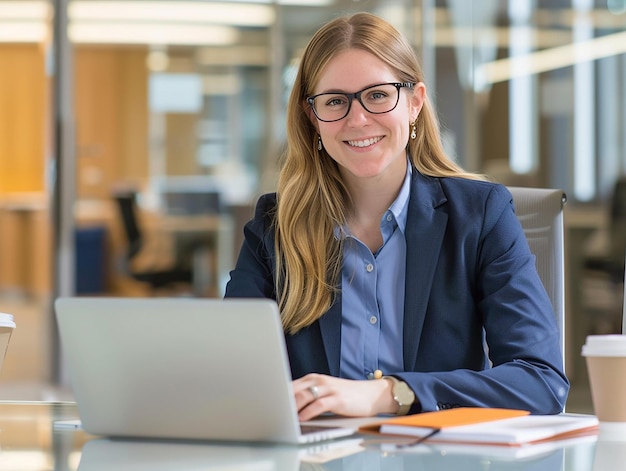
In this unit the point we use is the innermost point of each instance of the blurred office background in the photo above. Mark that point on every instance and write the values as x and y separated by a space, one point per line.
135 136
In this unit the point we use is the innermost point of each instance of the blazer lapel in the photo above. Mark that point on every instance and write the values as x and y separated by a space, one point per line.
424 236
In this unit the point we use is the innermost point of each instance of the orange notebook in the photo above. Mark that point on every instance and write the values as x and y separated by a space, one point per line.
486 426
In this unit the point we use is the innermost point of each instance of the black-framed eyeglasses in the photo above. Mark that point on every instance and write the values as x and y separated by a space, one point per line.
375 99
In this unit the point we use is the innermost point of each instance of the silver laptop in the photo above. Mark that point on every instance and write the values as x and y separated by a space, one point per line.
206 369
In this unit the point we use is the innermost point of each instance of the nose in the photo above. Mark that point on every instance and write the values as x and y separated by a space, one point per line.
357 113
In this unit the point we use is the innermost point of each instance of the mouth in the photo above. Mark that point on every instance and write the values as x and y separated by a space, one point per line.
365 142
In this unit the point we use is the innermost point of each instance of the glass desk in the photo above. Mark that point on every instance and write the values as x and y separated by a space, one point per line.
30 441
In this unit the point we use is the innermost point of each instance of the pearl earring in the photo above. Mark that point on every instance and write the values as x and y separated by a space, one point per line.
413 131
319 142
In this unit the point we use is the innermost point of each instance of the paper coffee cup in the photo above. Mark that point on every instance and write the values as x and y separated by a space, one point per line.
7 325
606 366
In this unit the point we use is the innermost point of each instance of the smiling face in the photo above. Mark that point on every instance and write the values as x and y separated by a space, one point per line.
367 147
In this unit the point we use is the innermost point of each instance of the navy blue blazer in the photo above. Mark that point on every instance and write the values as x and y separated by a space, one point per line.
469 276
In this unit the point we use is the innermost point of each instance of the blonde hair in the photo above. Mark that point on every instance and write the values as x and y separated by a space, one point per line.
312 198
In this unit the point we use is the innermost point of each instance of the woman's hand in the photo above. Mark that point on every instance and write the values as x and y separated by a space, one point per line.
317 393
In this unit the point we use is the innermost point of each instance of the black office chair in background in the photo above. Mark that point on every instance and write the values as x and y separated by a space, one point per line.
156 279
604 267
611 259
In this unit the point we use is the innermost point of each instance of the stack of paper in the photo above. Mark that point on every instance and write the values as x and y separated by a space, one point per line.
487 426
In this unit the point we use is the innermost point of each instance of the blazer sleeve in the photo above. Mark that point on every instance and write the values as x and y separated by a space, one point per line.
520 330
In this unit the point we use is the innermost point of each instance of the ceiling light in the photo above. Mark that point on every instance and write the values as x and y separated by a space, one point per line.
554 58
306 3
151 33
171 12
302 3
24 10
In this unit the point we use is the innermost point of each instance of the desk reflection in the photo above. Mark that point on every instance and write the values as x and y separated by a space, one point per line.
353 454
108 454
29 440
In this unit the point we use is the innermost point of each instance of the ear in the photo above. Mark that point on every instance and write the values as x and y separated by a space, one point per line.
417 100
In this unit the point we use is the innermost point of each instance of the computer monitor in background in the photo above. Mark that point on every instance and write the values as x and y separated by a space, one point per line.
192 203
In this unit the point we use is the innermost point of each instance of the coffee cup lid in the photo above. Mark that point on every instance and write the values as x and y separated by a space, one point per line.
6 320
613 345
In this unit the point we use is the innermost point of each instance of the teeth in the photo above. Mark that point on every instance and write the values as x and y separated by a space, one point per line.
365 143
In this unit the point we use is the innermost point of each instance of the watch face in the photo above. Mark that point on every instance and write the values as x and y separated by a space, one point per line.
403 394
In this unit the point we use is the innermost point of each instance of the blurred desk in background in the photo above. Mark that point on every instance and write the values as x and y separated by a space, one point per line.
25 244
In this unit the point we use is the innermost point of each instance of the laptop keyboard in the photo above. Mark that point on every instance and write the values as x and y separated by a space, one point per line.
307 429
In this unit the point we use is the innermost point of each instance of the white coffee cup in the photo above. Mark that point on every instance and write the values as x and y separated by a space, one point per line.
606 366
7 325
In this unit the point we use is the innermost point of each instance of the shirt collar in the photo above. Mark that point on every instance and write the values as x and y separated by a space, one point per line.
400 207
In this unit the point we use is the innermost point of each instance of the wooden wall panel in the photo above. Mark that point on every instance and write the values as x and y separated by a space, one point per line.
133 164
24 94
97 130
111 117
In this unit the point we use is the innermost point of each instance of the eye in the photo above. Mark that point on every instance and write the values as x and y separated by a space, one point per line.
377 95
335 100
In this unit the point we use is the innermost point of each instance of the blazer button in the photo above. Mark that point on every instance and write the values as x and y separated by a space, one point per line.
447 405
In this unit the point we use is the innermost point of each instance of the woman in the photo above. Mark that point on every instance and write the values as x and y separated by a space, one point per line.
387 259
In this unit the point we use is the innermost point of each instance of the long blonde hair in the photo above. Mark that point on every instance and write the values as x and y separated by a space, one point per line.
312 198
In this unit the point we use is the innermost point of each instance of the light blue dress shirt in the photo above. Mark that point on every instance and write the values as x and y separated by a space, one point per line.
372 287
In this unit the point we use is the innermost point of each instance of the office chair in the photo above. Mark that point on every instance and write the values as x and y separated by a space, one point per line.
155 279
611 261
603 265
540 211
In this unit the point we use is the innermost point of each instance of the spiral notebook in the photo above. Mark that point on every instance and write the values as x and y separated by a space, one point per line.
182 368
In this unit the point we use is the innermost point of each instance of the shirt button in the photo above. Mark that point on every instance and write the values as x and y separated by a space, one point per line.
389 217
373 320
369 267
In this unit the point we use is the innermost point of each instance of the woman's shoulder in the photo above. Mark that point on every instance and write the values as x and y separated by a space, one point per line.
264 213
478 200
265 209
469 191
475 185
266 203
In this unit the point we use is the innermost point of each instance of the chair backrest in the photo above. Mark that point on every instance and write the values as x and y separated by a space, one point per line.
127 209
540 212
624 308
617 223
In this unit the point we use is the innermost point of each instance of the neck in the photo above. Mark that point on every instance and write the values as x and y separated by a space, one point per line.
372 197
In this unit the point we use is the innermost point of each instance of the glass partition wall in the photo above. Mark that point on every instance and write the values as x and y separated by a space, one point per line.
180 107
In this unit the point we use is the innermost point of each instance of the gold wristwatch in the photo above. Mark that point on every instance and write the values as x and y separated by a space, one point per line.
402 394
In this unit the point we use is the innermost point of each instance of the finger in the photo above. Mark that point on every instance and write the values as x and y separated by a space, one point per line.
302 397
306 396
305 382
314 408
307 389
